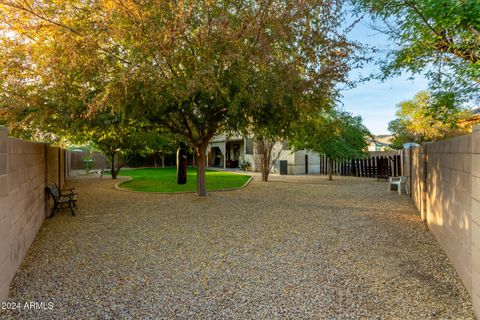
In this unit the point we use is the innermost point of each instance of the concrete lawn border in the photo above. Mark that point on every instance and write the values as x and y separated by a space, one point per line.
117 187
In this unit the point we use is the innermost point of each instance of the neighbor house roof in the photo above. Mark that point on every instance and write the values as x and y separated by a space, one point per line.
474 116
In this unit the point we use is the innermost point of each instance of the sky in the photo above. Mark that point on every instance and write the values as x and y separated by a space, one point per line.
376 101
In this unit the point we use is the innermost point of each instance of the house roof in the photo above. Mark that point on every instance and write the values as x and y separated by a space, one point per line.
383 144
383 139
473 117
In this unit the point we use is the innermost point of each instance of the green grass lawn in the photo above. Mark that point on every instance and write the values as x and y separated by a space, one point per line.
165 180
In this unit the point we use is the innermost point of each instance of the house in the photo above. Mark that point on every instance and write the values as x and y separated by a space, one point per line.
225 151
380 143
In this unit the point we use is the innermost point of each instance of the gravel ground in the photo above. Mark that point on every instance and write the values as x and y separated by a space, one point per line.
295 247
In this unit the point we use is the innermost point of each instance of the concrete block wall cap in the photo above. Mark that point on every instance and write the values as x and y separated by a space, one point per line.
21 141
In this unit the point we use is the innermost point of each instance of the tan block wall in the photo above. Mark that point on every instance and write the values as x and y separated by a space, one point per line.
23 170
22 203
416 184
448 202
475 226
63 167
55 169
445 186
5 205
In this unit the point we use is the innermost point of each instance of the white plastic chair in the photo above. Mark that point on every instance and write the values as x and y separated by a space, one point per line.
399 182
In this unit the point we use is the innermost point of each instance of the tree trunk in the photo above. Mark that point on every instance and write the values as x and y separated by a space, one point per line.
113 171
265 149
265 167
266 161
330 169
163 159
114 165
201 164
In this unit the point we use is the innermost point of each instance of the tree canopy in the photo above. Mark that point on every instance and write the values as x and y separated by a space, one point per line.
194 67
440 38
416 123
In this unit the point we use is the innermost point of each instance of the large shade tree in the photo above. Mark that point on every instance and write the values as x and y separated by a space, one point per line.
210 61
190 66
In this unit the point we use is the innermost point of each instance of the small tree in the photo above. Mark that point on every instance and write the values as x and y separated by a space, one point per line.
338 135
265 155
401 135
159 143
272 107
119 138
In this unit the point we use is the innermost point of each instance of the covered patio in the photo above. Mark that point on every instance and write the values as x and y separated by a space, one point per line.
225 152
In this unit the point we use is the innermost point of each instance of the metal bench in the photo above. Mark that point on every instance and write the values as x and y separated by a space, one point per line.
65 198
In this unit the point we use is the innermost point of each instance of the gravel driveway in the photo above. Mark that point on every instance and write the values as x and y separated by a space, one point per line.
295 247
